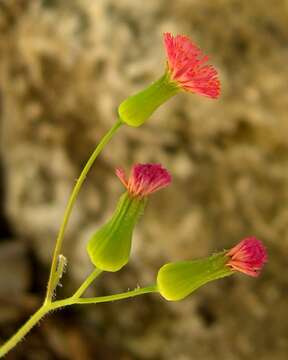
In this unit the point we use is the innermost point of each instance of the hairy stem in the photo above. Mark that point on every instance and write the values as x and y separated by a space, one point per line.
19 335
101 299
46 308
71 201
87 283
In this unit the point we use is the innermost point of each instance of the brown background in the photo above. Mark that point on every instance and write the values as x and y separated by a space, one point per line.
64 68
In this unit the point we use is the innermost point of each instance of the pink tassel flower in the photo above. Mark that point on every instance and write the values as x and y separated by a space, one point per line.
187 67
249 256
144 179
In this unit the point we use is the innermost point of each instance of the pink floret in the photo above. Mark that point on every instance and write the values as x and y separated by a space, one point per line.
144 179
187 66
249 256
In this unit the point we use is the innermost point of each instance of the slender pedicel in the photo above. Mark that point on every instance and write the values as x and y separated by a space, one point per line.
67 213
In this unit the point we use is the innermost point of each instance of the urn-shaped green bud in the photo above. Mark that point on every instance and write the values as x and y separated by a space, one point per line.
177 280
136 109
109 248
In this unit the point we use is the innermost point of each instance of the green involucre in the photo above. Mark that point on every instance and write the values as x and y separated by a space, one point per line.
177 280
136 109
109 248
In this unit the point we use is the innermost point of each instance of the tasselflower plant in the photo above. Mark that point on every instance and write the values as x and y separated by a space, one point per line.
109 247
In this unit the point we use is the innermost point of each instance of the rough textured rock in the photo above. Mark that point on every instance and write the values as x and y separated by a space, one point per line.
63 71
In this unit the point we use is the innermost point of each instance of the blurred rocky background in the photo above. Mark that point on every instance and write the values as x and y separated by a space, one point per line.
64 68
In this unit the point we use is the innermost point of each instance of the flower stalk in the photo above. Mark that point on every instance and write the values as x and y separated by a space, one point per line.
48 307
58 246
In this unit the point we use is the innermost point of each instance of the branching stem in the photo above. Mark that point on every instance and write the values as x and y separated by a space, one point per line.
70 204
46 308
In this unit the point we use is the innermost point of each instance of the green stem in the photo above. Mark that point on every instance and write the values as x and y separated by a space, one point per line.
101 299
72 199
87 283
18 336
45 309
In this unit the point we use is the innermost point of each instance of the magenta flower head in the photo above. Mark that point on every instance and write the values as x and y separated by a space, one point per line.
187 70
109 248
187 67
144 179
248 257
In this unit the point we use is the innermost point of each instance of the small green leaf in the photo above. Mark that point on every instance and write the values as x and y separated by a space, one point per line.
109 248
177 280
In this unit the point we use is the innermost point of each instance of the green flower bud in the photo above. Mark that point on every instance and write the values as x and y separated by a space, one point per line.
109 248
136 109
177 280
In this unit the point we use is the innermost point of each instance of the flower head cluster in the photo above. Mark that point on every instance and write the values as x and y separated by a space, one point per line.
187 66
144 179
249 256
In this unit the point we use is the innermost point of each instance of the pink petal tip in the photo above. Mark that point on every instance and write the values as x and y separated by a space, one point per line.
145 179
249 256
188 66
